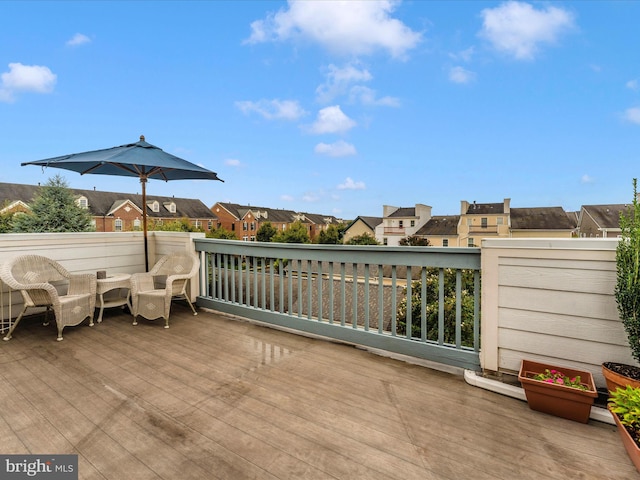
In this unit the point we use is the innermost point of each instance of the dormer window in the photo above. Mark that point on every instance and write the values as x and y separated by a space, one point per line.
155 206
82 202
171 206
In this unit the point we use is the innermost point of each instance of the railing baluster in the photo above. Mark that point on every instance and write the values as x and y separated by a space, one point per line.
380 299
394 302
343 295
476 311
309 289
300 296
366 297
423 306
458 308
331 292
319 280
441 306
408 318
272 293
354 303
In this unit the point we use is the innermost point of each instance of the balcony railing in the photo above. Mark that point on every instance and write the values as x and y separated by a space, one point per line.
353 294
394 230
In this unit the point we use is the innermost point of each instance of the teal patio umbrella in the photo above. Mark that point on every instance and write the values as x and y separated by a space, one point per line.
140 159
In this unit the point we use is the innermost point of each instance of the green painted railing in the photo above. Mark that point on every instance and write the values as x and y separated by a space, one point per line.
356 294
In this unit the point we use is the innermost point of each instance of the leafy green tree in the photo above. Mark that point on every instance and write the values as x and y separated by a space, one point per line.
266 232
330 236
295 233
180 225
54 209
221 233
6 222
414 241
364 239
433 306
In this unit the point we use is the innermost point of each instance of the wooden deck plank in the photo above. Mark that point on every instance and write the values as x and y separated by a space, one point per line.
214 397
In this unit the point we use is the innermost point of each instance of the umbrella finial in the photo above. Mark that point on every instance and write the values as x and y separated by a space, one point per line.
142 138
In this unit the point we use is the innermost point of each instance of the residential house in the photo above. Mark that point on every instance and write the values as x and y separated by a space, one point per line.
482 220
360 226
401 222
600 220
246 220
541 222
441 231
116 211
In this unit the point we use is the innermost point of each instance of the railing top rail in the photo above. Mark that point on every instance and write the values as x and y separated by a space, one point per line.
445 257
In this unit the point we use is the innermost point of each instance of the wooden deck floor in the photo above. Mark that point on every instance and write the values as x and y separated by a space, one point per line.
217 398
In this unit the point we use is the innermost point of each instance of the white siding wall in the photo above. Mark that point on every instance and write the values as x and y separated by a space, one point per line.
550 300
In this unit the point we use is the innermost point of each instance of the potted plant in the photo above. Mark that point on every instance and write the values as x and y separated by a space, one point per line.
624 404
627 294
561 391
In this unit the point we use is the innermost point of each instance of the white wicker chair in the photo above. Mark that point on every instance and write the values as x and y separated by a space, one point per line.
33 275
151 293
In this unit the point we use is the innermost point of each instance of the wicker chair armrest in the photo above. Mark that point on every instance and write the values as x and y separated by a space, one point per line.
141 282
80 283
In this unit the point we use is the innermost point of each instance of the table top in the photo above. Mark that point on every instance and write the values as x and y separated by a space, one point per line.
115 280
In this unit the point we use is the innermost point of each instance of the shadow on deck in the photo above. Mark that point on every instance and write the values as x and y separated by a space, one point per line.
217 398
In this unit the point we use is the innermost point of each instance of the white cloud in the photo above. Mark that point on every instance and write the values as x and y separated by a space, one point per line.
310 197
349 184
367 96
461 75
347 27
232 162
78 39
464 55
519 29
632 115
286 198
25 78
338 81
273 109
632 85
586 179
332 120
337 149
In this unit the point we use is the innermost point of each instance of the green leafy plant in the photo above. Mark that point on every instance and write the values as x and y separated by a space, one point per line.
625 403
559 378
627 289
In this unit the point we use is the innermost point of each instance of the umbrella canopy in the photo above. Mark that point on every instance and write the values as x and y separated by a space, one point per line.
141 160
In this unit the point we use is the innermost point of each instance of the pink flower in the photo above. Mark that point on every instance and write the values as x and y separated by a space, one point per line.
560 381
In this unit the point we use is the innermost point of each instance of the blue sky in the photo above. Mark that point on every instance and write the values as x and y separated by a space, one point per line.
333 107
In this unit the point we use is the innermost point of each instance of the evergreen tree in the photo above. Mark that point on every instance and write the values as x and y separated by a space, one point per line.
330 236
414 241
295 233
54 209
364 239
266 232
222 233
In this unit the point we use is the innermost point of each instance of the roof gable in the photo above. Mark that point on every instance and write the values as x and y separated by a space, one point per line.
541 218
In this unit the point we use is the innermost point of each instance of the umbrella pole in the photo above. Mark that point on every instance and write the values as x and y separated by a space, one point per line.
143 181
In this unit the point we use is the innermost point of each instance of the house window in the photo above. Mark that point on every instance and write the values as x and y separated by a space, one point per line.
118 225
155 207
469 221
470 242
172 207
500 220
245 238
245 226
253 225
483 222
136 224
209 224
385 241
413 223
198 224
445 242
83 202
233 227
253 238
400 223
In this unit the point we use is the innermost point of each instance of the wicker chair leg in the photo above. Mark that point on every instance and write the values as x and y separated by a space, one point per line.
191 305
135 319
7 337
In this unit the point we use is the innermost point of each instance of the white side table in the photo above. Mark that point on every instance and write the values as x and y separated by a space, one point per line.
117 281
